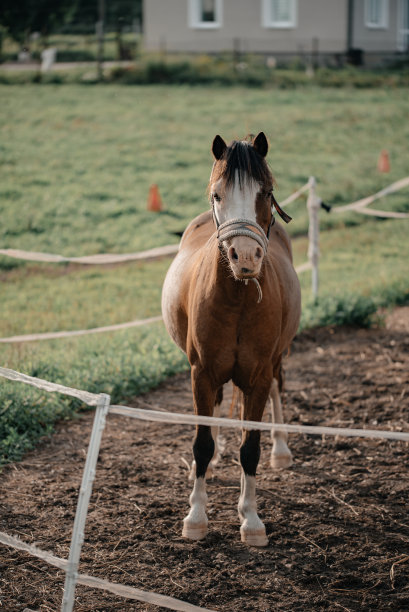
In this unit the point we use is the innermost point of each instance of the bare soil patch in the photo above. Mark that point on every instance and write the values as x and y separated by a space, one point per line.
337 520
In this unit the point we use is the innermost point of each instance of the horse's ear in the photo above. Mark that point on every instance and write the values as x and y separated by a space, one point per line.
218 147
260 144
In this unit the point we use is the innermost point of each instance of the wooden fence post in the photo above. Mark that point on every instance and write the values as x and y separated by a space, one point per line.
313 205
77 538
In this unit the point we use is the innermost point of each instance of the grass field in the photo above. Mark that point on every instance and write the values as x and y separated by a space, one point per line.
76 163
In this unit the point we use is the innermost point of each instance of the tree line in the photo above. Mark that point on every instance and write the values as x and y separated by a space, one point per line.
19 19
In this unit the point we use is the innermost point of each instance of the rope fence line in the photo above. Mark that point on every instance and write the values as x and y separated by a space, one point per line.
112 258
97 330
294 196
93 399
106 258
172 249
98 259
383 213
361 205
190 419
80 332
98 583
314 203
103 408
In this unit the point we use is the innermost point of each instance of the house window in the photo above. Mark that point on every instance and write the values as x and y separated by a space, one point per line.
403 25
205 13
279 13
376 13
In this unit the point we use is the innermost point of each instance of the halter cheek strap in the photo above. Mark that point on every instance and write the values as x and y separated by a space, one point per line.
280 211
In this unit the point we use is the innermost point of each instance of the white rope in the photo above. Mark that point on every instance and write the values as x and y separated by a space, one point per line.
98 330
91 399
81 332
98 259
98 583
190 419
383 213
303 267
112 258
360 204
168 417
295 195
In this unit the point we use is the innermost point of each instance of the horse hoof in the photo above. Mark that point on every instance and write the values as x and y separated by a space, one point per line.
281 461
254 537
194 531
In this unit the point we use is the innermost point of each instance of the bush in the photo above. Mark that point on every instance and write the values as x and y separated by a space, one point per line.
354 310
222 71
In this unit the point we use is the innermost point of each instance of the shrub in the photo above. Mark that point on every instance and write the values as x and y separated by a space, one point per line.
351 309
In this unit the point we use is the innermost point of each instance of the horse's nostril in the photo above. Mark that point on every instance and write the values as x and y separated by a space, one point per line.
233 254
259 253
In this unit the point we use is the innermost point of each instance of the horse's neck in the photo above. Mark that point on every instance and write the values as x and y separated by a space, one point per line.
216 279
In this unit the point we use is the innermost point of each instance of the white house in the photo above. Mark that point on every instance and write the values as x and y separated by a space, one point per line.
278 27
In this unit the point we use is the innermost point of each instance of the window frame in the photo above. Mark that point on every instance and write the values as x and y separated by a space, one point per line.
267 16
402 21
384 23
195 19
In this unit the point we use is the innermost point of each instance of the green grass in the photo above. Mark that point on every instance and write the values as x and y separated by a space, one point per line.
76 164
66 297
121 364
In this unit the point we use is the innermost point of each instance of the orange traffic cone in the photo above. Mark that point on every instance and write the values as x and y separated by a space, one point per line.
383 162
154 199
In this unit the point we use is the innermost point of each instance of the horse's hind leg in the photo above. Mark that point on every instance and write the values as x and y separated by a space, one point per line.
281 456
219 440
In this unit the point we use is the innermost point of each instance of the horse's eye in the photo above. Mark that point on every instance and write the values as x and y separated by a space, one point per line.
216 197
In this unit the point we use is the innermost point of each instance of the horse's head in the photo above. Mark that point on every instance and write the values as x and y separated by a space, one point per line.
241 194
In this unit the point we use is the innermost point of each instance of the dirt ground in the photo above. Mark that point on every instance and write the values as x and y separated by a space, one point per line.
337 520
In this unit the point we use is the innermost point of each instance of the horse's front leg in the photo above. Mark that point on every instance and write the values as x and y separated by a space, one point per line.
252 529
219 442
195 523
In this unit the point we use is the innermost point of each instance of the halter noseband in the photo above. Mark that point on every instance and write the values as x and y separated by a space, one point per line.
243 227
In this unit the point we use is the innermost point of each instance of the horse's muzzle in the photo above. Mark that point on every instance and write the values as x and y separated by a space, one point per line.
246 244
245 257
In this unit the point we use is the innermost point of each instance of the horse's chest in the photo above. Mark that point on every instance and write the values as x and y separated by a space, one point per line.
235 338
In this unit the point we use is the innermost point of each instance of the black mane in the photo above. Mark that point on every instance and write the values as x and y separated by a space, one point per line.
241 157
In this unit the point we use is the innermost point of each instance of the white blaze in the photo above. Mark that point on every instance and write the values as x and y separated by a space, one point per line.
237 202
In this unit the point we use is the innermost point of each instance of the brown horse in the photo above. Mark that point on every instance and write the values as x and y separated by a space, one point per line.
231 301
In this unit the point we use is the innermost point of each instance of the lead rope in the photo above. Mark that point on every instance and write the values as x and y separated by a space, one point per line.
260 293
